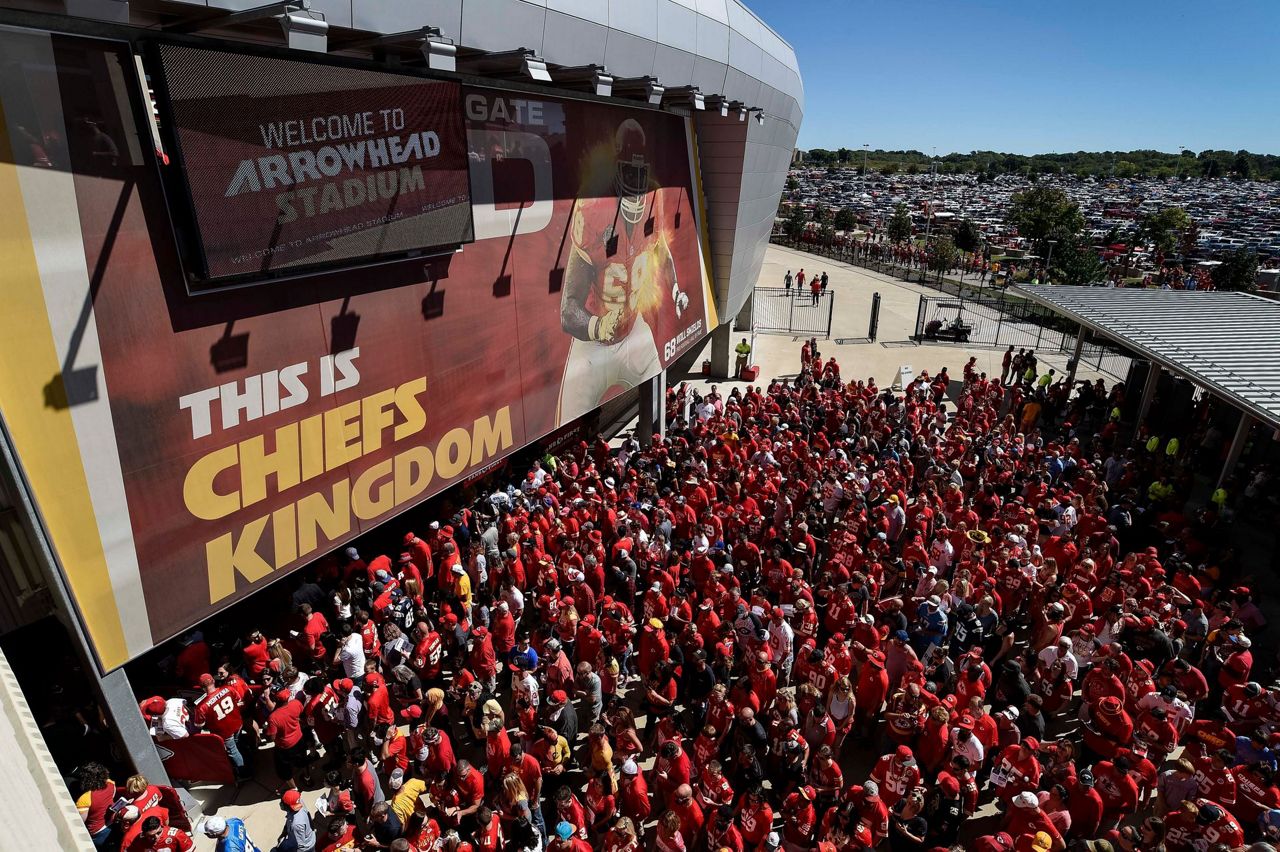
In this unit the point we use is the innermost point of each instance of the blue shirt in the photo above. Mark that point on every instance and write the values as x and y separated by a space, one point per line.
529 658
237 839
1247 753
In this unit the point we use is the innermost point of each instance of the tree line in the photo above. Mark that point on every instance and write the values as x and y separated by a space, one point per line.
1241 165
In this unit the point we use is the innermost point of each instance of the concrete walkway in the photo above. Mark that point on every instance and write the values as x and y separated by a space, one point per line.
853 286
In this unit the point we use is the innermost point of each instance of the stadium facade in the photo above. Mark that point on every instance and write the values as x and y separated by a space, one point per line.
277 273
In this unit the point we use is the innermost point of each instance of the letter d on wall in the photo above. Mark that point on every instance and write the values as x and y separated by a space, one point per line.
490 222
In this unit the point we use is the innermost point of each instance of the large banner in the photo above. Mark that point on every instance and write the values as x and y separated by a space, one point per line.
228 438
290 164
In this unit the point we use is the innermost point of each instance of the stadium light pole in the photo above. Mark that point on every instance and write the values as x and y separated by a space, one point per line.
928 219
866 146
1049 259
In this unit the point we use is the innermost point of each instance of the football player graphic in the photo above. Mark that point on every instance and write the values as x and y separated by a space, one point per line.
619 270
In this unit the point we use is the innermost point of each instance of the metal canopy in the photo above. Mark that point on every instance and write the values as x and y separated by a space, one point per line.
1227 343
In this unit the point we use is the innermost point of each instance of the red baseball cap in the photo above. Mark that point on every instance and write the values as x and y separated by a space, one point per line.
559 697
206 679
283 695
291 798
904 755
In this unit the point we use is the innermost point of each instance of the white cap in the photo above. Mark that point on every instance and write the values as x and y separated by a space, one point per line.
396 781
1026 800
214 826
630 767
435 525
130 813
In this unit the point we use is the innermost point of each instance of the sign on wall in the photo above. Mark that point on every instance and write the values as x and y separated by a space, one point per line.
291 164
238 435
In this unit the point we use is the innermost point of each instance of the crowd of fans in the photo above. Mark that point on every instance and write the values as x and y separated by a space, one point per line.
822 616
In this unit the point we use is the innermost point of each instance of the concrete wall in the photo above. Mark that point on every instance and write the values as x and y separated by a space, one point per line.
35 808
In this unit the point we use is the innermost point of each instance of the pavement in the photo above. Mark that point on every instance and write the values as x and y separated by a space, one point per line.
778 355
859 358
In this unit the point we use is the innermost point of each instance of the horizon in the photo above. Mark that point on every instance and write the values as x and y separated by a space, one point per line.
1007 77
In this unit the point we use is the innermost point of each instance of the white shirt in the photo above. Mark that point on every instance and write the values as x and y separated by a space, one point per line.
172 724
352 656
515 601
1053 654
526 686
970 748
781 640
941 553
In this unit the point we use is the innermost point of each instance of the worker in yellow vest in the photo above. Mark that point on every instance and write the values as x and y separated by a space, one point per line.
744 356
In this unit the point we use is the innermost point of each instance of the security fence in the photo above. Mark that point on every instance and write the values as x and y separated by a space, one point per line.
792 310
1002 321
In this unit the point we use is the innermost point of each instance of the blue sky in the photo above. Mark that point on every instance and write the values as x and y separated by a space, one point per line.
1034 76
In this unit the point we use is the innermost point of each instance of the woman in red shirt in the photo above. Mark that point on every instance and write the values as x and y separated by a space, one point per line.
99 792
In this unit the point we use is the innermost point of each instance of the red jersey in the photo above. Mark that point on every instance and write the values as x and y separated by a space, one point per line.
219 712
612 245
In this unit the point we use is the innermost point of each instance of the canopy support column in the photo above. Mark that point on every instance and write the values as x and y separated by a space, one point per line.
1075 359
1148 394
1237 446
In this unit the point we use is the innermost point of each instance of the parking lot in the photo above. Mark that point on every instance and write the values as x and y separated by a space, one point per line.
1228 214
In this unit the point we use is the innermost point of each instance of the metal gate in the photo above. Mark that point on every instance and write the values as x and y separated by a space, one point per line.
998 321
782 311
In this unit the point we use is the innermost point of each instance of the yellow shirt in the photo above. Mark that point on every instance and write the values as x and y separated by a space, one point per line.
407 797
463 589
559 753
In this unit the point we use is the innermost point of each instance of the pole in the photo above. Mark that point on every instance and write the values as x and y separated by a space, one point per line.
928 221
1237 446
1148 394
662 398
1075 360
1049 260
865 148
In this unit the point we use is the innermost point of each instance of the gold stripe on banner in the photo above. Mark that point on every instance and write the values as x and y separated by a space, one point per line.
708 291
43 436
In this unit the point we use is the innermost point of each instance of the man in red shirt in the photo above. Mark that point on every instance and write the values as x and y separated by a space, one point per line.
897 774
633 793
799 818
314 626
1214 779
1118 790
155 836
754 817
218 711
284 726
467 793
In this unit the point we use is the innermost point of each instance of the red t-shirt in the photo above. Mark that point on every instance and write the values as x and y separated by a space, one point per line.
283 725
471 788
